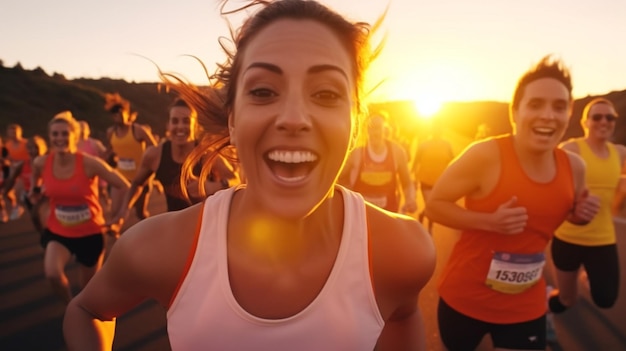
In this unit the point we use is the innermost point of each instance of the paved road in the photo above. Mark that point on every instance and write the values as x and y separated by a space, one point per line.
30 315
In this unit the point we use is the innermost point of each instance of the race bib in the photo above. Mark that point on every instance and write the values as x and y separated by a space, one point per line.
126 164
380 201
70 216
514 273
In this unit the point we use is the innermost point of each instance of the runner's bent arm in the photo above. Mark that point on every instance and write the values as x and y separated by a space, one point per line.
141 266
147 167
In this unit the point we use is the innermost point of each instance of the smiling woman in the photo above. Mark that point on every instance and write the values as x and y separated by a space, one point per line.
291 260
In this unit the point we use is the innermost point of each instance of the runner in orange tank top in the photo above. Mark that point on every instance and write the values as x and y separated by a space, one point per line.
17 153
518 189
75 224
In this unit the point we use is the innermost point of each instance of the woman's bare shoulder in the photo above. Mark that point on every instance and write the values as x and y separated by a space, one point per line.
156 249
403 253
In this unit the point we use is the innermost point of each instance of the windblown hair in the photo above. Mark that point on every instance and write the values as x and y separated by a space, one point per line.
215 104
115 101
66 117
40 143
547 67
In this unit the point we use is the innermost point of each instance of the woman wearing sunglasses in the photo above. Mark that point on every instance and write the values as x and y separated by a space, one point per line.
592 245
75 225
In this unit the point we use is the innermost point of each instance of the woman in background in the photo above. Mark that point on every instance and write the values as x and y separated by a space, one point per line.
75 224
290 260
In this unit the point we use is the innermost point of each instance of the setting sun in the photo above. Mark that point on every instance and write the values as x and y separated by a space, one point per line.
427 105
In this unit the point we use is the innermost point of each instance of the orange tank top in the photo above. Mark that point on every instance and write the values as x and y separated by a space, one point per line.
497 278
17 150
74 207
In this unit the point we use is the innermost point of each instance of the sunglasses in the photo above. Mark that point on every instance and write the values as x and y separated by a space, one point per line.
598 117
64 133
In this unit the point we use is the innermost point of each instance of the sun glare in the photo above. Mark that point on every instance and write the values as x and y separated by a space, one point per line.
427 106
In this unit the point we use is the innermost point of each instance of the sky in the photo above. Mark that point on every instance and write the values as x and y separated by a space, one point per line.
435 51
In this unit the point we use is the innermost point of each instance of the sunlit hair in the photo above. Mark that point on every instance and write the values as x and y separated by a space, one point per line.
596 101
66 117
585 116
17 128
214 104
85 130
40 143
114 103
178 102
547 67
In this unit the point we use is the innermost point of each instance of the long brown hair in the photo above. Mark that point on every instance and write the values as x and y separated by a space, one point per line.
215 103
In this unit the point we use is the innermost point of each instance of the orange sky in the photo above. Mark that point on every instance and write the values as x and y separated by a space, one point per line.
446 50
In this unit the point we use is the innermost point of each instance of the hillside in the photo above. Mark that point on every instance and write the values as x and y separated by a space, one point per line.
32 97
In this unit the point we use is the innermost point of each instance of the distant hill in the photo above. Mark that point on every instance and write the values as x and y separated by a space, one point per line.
32 97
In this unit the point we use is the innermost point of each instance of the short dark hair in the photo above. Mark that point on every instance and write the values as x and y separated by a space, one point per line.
547 67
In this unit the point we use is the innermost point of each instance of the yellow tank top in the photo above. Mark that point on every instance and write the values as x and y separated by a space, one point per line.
602 180
129 151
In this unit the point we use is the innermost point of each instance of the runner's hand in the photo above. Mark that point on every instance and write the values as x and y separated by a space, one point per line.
586 207
510 218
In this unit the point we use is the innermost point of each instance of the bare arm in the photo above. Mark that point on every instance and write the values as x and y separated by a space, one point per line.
408 187
474 173
15 169
95 166
586 205
141 266
403 262
148 165
145 135
620 193
102 151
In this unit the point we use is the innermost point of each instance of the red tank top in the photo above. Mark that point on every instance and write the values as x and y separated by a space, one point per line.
483 264
376 181
74 208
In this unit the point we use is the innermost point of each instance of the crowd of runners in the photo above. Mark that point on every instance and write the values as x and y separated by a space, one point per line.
285 230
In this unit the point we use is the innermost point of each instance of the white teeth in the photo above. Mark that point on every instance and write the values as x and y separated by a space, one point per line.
544 130
291 156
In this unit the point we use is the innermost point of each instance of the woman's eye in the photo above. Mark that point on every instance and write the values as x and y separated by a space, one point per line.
262 93
327 95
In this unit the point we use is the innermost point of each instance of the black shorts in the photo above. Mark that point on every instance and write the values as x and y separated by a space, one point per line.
460 332
87 249
600 262
569 257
